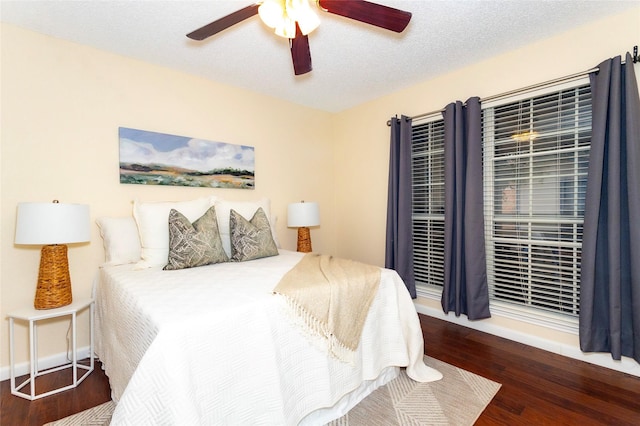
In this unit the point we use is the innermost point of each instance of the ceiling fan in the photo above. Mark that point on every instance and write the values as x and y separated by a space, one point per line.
295 19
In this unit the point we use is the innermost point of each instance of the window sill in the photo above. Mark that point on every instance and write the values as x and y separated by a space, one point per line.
539 318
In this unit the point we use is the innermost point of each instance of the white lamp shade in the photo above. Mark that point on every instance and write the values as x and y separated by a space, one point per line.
52 223
303 214
300 11
271 12
281 15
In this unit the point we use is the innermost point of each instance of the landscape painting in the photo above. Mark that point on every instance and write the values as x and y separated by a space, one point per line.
150 158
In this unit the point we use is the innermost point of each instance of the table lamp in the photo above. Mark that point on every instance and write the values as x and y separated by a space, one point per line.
303 215
52 225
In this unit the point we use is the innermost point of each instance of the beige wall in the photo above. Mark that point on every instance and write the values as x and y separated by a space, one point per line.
362 145
62 104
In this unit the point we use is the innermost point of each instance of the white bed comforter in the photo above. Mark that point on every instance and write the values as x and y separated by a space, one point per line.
213 345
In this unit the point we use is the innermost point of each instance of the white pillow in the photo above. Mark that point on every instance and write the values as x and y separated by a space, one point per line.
120 239
153 225
245 208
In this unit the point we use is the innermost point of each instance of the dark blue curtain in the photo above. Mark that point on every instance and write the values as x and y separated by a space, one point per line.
465 271
399 243
610 272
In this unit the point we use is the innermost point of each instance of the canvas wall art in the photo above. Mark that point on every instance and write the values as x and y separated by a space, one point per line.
150 158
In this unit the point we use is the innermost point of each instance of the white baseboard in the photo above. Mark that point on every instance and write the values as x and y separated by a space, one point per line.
43 363
626 365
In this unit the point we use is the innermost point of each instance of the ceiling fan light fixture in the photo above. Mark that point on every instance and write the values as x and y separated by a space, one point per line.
301 12
282 15
286 28
271 12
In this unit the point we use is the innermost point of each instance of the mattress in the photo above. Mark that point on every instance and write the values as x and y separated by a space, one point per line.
214 345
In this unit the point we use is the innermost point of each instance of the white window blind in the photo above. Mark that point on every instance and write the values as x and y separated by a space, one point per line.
535 159
428 202
536 153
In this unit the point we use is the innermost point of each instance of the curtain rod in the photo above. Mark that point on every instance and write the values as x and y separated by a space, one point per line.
636 59
513 92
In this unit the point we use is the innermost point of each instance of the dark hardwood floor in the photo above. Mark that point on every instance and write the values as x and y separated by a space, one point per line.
17 411
538 387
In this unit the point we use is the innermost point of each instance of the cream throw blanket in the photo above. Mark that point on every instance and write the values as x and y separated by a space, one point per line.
332 297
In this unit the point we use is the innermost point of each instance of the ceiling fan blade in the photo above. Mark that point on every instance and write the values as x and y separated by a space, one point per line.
370 13
223 23
300 53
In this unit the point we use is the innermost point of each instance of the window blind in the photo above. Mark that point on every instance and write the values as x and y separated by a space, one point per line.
536 153
428 202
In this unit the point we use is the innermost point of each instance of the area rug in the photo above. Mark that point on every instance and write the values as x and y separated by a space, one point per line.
458 399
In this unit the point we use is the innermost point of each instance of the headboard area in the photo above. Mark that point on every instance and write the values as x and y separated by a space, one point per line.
146 238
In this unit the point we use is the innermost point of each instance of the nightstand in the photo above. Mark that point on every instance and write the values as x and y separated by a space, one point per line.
32 316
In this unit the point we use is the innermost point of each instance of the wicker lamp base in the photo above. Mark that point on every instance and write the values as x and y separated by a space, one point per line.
54 283
304 240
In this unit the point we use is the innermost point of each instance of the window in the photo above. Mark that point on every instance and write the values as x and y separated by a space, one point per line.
535 158
536 153
427 164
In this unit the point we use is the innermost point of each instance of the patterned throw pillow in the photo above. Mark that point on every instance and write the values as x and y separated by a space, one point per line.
251 239
196 244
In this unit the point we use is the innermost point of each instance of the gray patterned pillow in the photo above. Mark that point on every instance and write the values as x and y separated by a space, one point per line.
196 244
251 239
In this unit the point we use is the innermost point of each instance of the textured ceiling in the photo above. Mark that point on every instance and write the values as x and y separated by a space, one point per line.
352 62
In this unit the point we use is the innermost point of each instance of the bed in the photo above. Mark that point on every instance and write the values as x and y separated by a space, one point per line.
213 344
